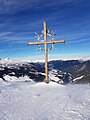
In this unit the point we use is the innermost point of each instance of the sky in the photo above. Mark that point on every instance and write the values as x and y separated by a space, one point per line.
20 19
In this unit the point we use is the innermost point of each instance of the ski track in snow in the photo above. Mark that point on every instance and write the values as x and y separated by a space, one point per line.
40 101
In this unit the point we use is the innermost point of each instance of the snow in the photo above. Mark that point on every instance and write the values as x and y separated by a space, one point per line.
52 76
78 78
1 81
82 68
7 61
38 59
40 101
14 78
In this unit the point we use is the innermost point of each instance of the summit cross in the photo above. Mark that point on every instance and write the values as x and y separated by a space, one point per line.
45 42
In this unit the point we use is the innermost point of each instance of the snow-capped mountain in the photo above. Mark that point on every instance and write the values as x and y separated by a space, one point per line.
14 70
78 70
63 72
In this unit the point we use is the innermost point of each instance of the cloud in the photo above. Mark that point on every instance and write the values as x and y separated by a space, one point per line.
40 58
8 50
9 37
14 39
79 41
13 6
3 34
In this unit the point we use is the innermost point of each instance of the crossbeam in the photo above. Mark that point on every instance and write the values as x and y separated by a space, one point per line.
45 42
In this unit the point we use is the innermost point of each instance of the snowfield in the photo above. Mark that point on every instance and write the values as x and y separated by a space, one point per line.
40 101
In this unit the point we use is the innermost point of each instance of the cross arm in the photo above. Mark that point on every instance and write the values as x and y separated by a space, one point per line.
56 41
47 42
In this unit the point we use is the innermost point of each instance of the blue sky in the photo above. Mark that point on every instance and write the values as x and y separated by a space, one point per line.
19 19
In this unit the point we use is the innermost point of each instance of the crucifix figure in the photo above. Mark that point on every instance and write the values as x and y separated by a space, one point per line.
45 32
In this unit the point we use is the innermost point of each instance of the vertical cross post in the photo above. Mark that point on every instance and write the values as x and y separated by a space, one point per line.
46 52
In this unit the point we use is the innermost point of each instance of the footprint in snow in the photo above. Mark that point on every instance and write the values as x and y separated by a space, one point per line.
37 95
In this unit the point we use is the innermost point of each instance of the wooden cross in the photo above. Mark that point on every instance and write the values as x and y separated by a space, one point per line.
45 42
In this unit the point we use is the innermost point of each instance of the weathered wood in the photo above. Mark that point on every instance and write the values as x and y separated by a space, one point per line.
46 52
45 42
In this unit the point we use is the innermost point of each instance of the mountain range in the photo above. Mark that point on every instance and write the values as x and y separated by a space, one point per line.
60 71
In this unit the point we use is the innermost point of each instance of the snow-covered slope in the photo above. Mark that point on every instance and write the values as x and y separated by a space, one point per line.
31 101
